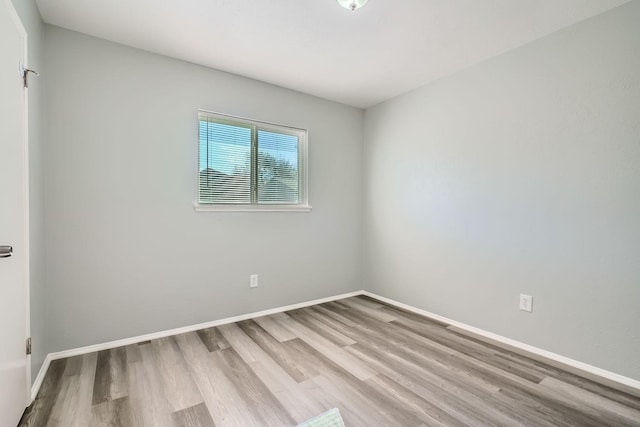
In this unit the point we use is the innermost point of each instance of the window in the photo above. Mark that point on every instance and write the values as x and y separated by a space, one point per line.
250 165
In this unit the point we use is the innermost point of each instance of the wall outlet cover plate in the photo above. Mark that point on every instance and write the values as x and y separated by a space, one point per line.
526 303
253 281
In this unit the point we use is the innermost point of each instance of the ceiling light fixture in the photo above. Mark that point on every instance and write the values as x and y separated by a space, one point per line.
352 4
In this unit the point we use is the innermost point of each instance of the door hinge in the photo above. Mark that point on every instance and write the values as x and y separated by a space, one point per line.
28 345
25 75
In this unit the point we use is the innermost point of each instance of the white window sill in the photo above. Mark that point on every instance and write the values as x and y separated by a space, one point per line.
251 208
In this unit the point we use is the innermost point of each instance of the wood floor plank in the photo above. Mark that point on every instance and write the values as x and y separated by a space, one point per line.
250 351
365 300
426 350
554 415
472 348
64 406
83 399
331 334
330 350
463 376
352 402
74 366
338 305
39 412
111 413
593 404
286 359
330 401
434 407
133 353
195 416
379 365
141 412
241 343
580 382
72 404
152 395
213 339
274 328
443 336
179 387
111 381
616 391
280 316
404 314
436 384
220 395
298 404
555 412
406 344
601 390
332 313
277 380
349 385
366 309
341 327
423 409
257 397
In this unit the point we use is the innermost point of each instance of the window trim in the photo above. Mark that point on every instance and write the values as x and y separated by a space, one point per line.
303 164
198 207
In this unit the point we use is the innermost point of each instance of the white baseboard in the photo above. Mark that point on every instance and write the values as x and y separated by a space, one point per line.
596 374
162 334
35 387
602 376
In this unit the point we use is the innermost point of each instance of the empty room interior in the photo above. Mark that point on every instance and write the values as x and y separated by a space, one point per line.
320 213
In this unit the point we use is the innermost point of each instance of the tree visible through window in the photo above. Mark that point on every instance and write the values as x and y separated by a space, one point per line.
248 162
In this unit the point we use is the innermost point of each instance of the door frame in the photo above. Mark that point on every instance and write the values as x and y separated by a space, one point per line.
24 63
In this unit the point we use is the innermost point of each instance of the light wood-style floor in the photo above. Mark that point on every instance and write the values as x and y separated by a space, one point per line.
379 365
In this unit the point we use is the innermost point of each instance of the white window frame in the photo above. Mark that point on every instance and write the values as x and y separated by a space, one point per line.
303 171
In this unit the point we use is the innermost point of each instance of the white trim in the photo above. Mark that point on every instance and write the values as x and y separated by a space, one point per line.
196 327
25 191
250 208
162 334
35 388
602 376
27 215
257 125
594 373
231 117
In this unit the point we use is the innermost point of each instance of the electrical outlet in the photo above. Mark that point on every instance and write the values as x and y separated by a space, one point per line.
526 303
253 281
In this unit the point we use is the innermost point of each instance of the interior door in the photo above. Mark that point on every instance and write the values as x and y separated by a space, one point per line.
13 219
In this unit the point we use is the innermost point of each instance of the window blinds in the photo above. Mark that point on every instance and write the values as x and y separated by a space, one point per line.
243 162
225 162
277 168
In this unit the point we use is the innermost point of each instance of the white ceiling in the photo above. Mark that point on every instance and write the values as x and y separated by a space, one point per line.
315 46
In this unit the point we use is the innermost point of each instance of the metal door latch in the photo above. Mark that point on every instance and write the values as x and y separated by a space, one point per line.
6 251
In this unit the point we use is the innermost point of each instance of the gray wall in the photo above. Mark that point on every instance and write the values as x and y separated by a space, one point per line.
30 18
519 175
127 254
